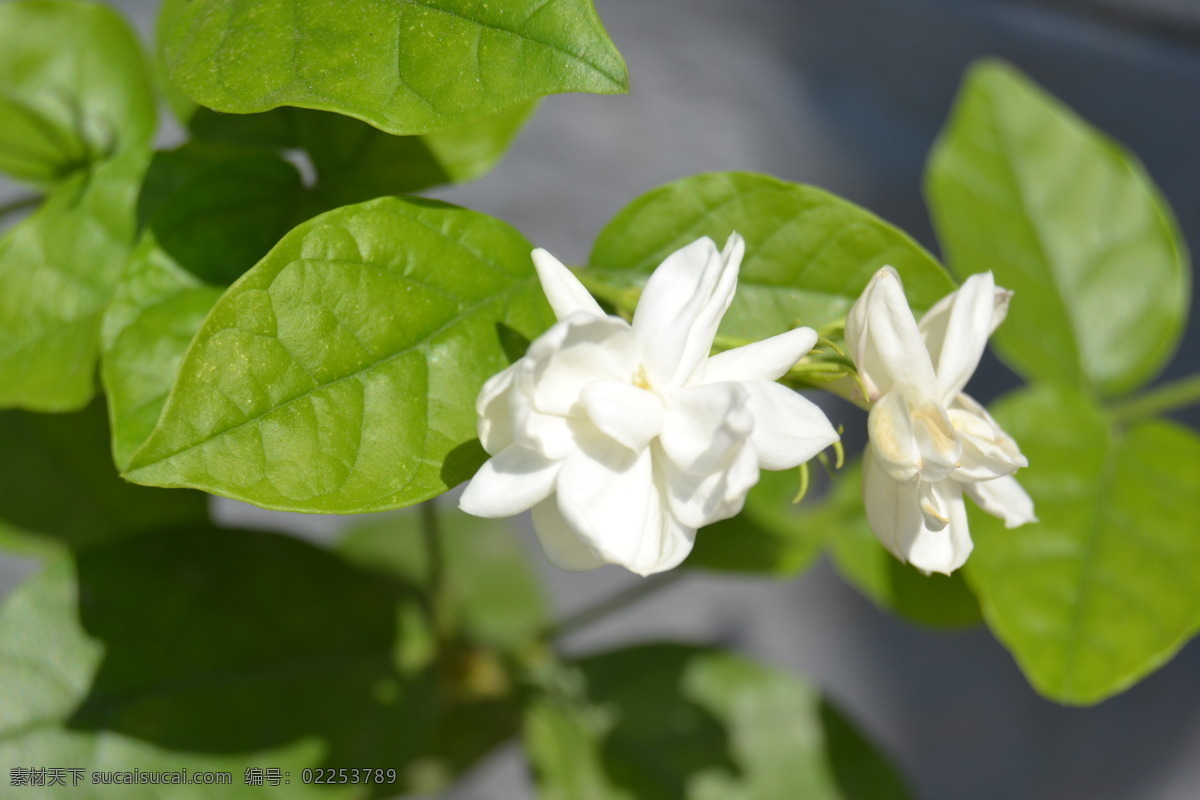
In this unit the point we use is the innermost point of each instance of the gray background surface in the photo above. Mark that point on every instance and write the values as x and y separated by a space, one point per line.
849 95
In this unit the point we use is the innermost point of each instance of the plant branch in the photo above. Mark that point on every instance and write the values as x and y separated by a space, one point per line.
435 581
612 604
1167 397
19 204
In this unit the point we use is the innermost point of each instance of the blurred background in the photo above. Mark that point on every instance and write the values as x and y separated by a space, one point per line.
849 95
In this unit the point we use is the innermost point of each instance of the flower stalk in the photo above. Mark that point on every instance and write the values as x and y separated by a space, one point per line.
436 592
1161 399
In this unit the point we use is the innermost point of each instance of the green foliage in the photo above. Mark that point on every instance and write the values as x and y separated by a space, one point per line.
1069 220
217 210
355 162
76 116
406 68
207 215
73 89
701 725
1106 587
208 649
156 310
339 374
58 485
330 363
57 272
494 595
809 254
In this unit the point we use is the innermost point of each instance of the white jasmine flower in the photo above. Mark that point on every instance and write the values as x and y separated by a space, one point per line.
929 442
624 439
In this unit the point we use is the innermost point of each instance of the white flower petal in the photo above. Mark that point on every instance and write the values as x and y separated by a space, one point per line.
566 294
931 508
547 434
761 361
893 509
947 549
704 423
606 495
988 452
563 546
937 441
933 324
885 342
615 504
894 512
1003 498
956 331
495 411
788 429
889 426
699 500
681 307
572 354
625 413
510 482
671 547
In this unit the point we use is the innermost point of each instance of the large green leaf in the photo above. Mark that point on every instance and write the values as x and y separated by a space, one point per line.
57 272
493 593
58 484
156 310
355 162
208 215
809 254
936 600
700 725
410 67
223 650
218 210
74 88
1106 587
1069 220
340 374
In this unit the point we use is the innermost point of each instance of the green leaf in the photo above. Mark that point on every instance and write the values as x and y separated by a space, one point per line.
155 311
493 593
211 649
699 725
355 162
935 600
57 273
809 254
411 67
58 484
1106 587
218 210
74 89
339 375
168 13
208 214
1071 222
772 535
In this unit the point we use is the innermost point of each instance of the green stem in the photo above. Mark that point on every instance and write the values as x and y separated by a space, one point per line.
435 586
19 204
612 604
1168 397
